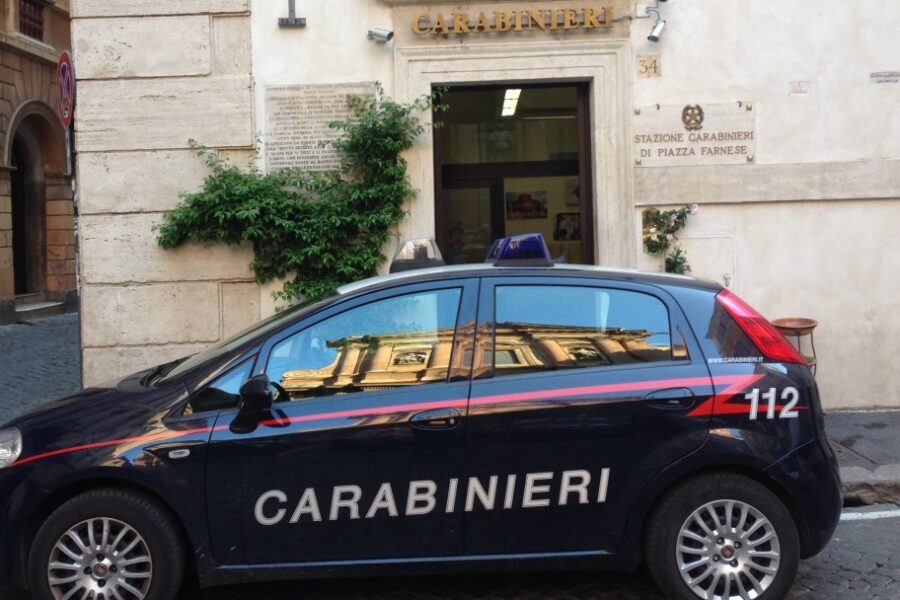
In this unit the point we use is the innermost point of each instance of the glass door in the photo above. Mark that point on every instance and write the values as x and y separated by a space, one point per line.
514 159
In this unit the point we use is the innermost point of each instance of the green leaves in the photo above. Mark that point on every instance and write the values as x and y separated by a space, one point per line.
659 234
321 229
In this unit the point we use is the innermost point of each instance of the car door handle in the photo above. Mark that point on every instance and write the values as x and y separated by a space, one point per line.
672 399
439 418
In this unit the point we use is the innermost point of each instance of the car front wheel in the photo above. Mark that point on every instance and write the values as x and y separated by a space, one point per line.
107 545
722 537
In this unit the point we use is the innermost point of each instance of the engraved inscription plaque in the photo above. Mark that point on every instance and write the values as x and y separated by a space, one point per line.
694 134
297 118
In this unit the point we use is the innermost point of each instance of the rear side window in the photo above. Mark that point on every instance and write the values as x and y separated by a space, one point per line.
546 327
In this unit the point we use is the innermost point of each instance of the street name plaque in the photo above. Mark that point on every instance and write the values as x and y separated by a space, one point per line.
694 134
297 118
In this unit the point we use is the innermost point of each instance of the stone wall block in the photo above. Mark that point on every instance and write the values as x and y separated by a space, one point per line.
60 222
164 113
57 207
150 314
59 192
7 274
12 61
5 204
240 307
57 267
104 364
123 249
231 45
5 221
60 282
130 182
142 47
5 238
139 8
56 253
61 237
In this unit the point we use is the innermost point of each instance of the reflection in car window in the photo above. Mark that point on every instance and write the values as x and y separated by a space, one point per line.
401 341
224 392
556 327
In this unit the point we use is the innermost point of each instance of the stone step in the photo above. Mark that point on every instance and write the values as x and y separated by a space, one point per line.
33 298
39 310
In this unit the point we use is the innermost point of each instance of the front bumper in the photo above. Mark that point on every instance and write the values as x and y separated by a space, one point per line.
12 522
810 475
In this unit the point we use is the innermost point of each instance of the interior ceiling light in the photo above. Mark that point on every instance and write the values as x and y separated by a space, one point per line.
659 26
510 102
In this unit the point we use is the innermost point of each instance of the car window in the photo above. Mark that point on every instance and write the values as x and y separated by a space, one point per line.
257 330
224 392
546 327
400 341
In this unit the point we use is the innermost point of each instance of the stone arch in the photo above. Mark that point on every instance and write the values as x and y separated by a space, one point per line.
42 236
43 125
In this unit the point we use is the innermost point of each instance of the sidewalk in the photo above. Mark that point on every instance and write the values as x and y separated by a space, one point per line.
868 450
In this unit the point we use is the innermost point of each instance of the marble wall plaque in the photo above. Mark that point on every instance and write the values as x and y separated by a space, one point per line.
694 134
297 118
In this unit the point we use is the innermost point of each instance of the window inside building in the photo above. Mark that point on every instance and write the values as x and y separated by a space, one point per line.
396 342
513 159
31 18
599 327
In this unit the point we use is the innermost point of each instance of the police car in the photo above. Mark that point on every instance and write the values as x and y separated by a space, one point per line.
513 415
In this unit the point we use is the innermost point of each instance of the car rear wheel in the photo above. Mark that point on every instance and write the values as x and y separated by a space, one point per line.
722 537
107 545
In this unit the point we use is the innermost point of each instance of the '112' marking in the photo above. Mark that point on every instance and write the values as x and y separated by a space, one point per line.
789 395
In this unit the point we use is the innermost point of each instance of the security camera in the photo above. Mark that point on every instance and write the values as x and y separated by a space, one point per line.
657 30
380 35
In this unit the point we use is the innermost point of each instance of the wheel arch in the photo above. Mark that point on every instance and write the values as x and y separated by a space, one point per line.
59 496
637 521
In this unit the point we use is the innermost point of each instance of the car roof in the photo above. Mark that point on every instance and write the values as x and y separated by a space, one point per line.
555 270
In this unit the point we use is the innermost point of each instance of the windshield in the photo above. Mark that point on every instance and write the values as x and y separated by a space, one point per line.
258 330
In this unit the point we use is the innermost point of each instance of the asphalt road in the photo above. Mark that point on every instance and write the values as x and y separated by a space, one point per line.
860 563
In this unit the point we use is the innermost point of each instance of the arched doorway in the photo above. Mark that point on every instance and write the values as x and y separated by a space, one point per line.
28 217
36 156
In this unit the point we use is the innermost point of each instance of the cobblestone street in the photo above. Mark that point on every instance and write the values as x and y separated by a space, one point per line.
860 563
39 361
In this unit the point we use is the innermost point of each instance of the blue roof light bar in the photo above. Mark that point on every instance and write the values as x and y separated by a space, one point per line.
525 250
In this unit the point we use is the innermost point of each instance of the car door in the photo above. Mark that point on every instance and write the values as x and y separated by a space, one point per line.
356 464
580 394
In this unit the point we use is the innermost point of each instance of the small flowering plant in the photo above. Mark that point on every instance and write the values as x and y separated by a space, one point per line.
660 229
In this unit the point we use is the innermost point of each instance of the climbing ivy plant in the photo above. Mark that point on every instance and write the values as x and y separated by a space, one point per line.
318 229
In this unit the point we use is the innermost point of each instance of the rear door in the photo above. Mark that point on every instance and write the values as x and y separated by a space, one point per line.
580 394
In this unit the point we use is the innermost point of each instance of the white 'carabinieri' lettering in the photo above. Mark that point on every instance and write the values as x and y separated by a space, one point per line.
261 518
419 492
539 490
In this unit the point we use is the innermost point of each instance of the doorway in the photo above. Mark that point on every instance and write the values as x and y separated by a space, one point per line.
28 216
513 159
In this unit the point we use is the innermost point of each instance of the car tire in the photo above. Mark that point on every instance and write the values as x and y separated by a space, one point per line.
690 526
108 540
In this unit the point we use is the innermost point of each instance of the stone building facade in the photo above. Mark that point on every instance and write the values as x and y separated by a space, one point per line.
37 238
782 127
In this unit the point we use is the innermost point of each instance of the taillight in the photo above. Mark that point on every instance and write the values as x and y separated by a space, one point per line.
763 334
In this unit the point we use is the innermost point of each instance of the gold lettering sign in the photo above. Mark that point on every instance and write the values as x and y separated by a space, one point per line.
501 21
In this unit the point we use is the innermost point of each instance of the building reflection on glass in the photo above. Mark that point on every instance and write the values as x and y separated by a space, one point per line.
379 362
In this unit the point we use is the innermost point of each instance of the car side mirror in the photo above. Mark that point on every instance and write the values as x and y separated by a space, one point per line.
256 401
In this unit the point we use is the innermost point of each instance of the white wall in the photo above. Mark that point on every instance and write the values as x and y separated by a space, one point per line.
726 50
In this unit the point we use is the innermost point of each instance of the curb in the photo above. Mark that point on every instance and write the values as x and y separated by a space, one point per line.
863 486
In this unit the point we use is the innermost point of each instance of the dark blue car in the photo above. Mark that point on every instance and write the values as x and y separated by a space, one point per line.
505 416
